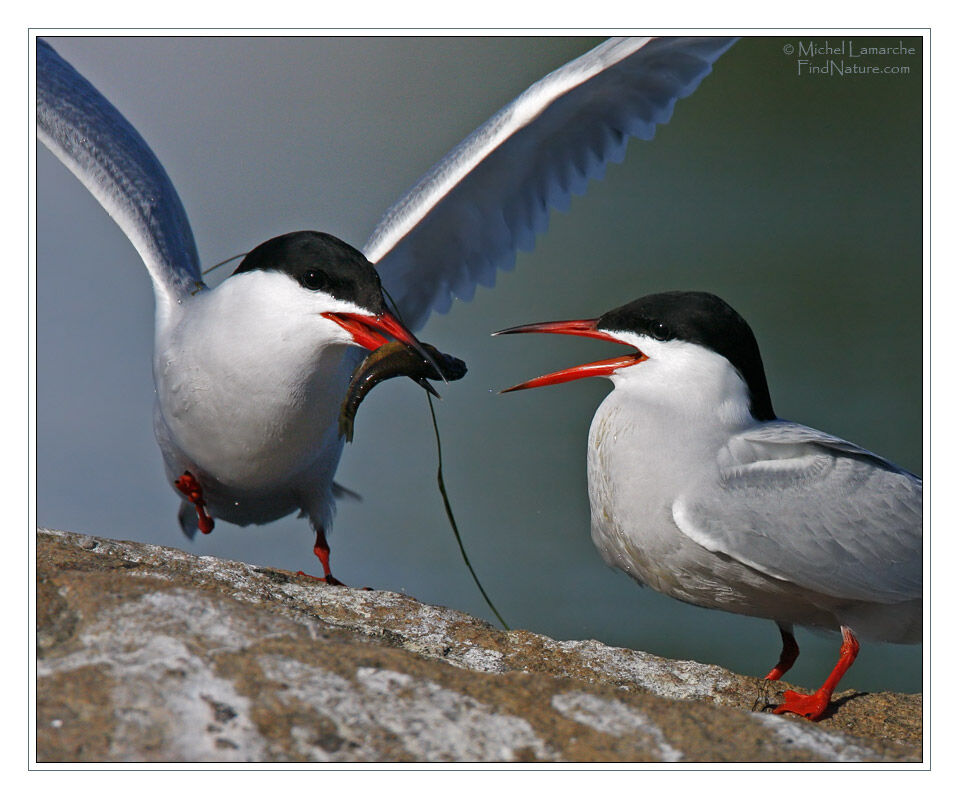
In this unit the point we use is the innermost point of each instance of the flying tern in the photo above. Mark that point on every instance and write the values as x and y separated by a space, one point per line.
699 491
250 374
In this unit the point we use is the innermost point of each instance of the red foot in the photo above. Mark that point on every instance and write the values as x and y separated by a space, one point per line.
190 487
329 579
813 706
322 551
810 706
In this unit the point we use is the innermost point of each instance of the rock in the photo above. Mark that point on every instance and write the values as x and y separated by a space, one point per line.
147 653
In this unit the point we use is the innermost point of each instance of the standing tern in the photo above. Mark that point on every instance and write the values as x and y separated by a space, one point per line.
699 491
250 374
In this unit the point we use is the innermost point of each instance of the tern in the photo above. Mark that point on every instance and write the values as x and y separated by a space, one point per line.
700 492
250 374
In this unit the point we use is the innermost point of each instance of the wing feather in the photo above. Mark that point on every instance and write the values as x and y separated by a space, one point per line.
813 510
104 151
492 194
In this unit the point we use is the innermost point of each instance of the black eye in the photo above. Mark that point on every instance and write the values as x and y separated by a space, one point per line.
313 279
659 331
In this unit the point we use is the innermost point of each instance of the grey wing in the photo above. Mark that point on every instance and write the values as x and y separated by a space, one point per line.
814 510
492 194
105 152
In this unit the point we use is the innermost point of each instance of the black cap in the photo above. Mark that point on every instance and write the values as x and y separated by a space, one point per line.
704 319
320 262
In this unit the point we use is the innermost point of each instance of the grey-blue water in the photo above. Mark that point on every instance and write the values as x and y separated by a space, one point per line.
796 197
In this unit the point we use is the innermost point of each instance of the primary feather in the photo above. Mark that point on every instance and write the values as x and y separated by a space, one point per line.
492 194
105 152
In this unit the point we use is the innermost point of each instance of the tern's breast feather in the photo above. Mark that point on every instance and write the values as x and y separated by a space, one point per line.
251 403
632 486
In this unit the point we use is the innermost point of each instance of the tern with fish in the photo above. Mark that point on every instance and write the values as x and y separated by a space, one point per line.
252 373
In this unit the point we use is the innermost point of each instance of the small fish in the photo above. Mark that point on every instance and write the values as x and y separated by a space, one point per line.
390 361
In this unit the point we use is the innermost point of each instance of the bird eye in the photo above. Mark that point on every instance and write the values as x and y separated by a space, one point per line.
313 279
659 331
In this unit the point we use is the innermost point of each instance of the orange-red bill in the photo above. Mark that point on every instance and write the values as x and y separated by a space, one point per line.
371 331
574 327
368 330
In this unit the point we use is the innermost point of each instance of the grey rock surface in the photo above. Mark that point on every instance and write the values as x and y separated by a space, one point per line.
148 654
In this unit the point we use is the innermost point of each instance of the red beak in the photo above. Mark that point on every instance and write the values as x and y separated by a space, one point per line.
574 327
368 330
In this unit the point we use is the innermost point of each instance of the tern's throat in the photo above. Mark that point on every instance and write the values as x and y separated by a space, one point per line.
693 390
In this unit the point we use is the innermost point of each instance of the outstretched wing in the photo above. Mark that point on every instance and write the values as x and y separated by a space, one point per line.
805 507
492 194
99 146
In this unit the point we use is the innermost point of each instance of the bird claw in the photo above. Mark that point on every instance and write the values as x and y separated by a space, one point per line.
329 580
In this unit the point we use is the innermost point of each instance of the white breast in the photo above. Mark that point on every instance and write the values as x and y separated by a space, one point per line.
248 390
647 448
636 467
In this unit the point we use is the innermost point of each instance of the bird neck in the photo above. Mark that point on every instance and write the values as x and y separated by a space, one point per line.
706 395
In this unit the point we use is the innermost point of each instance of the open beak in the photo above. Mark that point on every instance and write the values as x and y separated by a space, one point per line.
574 327
372 330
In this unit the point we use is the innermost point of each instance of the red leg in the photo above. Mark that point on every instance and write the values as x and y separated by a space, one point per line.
812 706
788 655
191 489
322 551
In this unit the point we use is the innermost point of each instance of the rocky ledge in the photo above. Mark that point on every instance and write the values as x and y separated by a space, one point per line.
150 654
